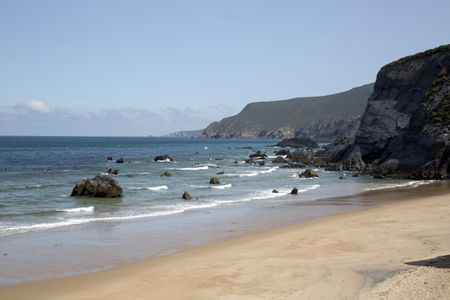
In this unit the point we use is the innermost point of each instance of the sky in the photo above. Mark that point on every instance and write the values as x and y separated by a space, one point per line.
136 68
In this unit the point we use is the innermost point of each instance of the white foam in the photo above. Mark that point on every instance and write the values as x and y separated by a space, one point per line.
309 188
193 168
79 209
167 160
157 188
4 230
412 184
269 170
221 187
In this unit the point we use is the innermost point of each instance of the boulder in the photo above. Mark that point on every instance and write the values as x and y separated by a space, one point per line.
120 161
299 142
308 173
164 157
275 191
258 155
261 163
214 180
186 196
279 160
294 191
109 157
166 174
99 186
221 173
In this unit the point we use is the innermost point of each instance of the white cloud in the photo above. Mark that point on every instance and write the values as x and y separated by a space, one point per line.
36 118
38 106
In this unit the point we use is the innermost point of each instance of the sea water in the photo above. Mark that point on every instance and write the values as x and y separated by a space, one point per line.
37 175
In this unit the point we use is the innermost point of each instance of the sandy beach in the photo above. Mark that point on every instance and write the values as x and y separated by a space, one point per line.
396 250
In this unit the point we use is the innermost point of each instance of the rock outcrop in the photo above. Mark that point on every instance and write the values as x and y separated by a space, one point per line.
299 142
405 130
99 186
165 157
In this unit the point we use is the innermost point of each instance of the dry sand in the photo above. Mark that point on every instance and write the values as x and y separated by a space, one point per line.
394 251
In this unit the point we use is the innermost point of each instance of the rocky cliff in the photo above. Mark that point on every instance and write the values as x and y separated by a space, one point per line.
405 129
320 118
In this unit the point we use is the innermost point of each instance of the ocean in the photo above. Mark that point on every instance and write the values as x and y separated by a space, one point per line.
37 175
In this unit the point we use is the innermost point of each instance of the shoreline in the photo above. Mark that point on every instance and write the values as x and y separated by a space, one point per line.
236 266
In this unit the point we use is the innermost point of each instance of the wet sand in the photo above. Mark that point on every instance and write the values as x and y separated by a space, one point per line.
396 250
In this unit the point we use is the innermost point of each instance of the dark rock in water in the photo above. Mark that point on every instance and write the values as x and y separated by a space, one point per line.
308 173
164 157
166 174
258 155
279 160
99 186
341 177
282 152
221 173
109 158
249 161
355 175
294 191
275 191
120 161
299 142
112 171
235 162
214 180
261 163
377 176
186 196
405 130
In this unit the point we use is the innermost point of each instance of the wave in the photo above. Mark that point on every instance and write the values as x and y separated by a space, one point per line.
193 168
411 184
167 160
151 188
252 173
79 209
221 187
4 230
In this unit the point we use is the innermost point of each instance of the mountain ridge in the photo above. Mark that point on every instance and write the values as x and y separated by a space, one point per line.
318 117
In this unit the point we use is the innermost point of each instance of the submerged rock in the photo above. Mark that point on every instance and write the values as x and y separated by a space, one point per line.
99 186
221 173
186 196
166 174
282 152
294 191
275 191
109 157
214 180
308 173
120 161
112 171
164 157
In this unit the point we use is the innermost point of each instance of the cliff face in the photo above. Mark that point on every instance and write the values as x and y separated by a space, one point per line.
319 118
405 129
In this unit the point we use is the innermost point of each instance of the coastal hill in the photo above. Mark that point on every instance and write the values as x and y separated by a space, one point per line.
405 130
186 134
320 118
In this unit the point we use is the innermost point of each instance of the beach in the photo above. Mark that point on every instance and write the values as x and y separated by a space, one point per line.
395 250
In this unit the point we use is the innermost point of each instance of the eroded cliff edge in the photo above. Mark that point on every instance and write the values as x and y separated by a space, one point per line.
405 129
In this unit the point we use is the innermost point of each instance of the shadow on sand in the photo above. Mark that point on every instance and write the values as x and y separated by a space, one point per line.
440 262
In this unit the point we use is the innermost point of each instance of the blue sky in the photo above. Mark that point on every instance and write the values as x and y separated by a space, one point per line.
191 62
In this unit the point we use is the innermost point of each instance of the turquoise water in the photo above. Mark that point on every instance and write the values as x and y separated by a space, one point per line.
37 175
